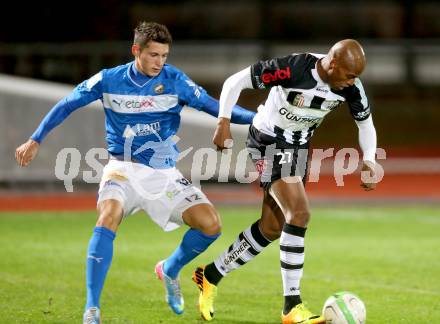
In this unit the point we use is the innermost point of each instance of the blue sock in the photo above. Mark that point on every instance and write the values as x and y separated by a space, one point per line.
193 243
99 258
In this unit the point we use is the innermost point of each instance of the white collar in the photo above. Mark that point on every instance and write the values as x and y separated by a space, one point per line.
316 76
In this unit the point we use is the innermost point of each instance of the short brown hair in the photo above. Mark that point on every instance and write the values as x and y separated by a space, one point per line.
151 31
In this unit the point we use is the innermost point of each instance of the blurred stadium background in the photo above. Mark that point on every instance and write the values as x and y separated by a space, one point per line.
50 48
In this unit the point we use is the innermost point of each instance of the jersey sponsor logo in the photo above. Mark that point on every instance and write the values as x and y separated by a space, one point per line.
322 89
138 104
141 129
301 119
280 74
232 256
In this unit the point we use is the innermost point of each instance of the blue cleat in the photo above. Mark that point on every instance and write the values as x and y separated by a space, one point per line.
173 296
92 316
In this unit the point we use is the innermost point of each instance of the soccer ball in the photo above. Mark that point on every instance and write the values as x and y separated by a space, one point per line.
344 308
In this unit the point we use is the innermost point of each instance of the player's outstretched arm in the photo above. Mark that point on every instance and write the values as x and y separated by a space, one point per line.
239 114
26 152
368 144
85 93
228 98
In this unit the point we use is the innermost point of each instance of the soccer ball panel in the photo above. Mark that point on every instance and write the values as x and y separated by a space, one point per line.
344 308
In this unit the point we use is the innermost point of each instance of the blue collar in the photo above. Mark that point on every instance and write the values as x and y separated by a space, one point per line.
138 76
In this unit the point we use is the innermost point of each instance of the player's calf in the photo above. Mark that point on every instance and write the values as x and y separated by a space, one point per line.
247 246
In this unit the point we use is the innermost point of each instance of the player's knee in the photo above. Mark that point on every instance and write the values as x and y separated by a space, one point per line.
271 231
108 220
110 215
299 217
203 217
212 224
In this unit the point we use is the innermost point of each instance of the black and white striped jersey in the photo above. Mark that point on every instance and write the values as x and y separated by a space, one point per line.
299 100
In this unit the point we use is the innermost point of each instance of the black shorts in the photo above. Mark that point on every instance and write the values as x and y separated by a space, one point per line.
274 158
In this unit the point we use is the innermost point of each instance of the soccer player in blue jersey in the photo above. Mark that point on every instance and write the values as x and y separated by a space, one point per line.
142 102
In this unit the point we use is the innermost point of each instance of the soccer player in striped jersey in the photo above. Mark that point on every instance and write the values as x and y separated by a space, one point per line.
142 101
304 88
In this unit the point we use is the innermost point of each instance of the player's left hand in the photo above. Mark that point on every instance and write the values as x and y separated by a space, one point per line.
368 176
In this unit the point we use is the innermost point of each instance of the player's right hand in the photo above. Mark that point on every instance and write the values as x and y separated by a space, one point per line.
368 176
26 152
222 135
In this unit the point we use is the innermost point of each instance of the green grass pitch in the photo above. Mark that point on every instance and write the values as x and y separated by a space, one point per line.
389 256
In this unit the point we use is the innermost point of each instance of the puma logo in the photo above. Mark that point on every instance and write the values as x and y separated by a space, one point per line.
94 258
118 102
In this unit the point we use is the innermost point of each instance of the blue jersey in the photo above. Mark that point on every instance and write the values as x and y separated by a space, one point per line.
142 113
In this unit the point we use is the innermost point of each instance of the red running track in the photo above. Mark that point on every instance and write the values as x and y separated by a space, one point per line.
393 188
